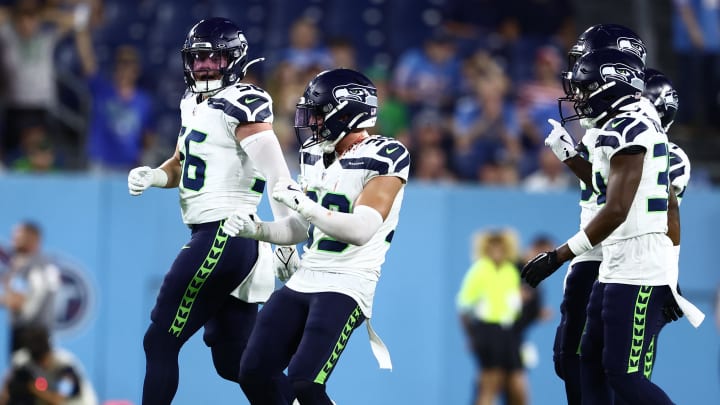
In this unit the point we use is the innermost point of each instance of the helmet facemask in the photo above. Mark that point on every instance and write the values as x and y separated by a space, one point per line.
315 126
208 70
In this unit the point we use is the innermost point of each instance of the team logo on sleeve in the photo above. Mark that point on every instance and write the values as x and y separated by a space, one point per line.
355 92
623 73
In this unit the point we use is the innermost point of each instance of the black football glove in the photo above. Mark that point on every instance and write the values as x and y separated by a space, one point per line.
671 310
540 267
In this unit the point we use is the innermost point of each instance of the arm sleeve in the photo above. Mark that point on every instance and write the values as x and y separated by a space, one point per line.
264 150
288 230
356 227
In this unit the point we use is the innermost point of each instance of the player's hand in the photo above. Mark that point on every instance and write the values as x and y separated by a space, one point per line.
560 142
671 309
286 261
288 192
242 224
540 267
140 179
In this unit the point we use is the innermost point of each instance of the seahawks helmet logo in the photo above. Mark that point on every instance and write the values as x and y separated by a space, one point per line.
670 98
633 46
355 92
623 73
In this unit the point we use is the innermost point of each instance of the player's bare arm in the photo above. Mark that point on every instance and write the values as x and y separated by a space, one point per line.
581 168
245 130
379 194
624 179
173 169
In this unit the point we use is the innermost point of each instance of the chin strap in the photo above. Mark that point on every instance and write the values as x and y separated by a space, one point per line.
252 62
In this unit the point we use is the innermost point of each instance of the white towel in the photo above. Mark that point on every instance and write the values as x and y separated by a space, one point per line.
381 352
692 313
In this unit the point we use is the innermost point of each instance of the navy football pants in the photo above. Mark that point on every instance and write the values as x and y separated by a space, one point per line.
305 332
619 344
566 351
195 293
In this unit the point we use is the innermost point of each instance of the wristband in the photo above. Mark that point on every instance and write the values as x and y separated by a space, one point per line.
579 243
159 178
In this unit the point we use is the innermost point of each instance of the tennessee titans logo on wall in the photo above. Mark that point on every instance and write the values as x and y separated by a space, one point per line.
355 92
75 301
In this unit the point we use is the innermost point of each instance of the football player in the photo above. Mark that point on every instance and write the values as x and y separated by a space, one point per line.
226 153
660 91
347 213
630 172
583 269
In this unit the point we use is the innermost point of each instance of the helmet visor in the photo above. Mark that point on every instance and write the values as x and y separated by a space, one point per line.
205 64
306 125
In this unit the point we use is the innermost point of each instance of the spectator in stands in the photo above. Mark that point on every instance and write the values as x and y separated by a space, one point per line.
490 303
533 24
498 173
342 53
393 115
536 102
431 165
30 286
476 24
485 126
696 41
428 77
36 153
305 50
29 33
43 375
550 176
121 122
428 132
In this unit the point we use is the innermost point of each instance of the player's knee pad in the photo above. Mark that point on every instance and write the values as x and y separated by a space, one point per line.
158 342
308 391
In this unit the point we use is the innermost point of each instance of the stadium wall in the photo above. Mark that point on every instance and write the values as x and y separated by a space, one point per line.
124 245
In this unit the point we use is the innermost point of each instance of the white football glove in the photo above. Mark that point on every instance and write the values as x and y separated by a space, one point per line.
288 192
560 142
286 262
242 224
142 178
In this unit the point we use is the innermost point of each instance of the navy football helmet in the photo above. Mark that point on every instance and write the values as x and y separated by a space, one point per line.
335 103
601 82
214 55
601 36
659 89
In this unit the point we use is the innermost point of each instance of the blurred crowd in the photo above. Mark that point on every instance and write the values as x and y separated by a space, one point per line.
95 84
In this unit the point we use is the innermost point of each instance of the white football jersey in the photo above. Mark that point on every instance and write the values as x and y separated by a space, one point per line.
217 176
638 252
588 199
679 170
331 265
